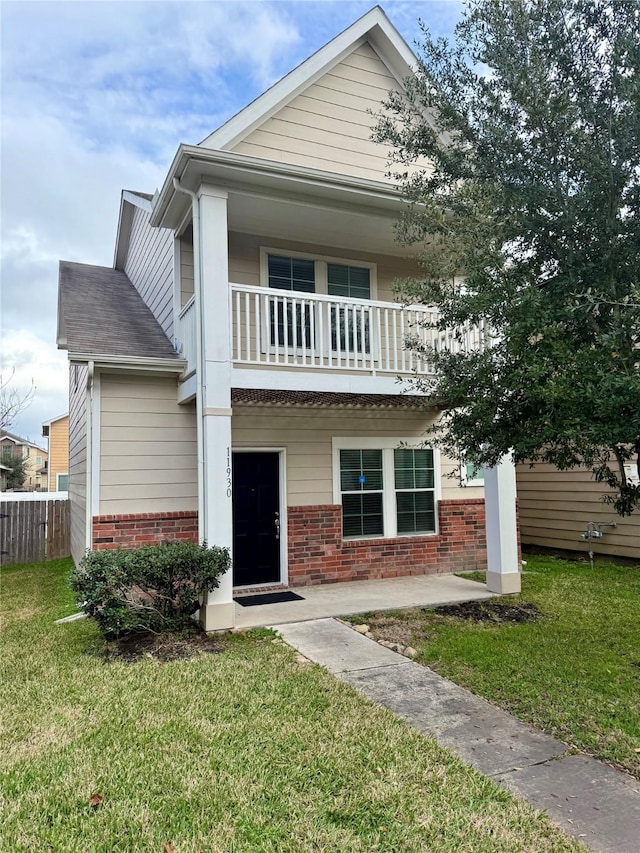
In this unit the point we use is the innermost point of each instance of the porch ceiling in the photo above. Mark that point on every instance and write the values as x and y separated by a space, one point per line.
321 399
315 221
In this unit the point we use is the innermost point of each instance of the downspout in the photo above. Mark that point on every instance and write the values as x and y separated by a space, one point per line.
89 493
195 216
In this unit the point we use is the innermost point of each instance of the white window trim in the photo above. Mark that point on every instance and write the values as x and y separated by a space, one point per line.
387 445
320 268
61 474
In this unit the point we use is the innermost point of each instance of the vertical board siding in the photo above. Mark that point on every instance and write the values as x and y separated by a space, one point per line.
306 434
329 125
556 506
149 266
147 447
78 459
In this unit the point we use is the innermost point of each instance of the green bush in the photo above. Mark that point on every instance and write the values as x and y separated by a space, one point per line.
155 588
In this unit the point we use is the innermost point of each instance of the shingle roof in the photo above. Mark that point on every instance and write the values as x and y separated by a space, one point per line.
318 399
17 439
105 315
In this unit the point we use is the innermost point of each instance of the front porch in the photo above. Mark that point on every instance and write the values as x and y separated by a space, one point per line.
348 598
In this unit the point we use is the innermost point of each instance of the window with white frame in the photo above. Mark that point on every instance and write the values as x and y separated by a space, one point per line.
62 482
385 487
291 324
472 474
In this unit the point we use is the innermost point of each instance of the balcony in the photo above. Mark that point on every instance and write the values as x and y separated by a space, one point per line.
296 331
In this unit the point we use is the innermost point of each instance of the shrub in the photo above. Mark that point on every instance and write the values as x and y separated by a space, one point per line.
155 588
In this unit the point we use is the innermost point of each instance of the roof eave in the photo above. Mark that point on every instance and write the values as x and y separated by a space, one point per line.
191 164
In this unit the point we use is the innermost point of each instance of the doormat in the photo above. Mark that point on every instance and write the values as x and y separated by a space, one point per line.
267 598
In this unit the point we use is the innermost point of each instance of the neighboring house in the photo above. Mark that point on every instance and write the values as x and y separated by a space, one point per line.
14 445
556 508
234 376
3 477
57 431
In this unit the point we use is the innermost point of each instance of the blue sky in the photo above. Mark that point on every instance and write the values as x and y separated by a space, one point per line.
96 97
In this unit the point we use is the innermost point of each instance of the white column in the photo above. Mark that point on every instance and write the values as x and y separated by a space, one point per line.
215 519
503 566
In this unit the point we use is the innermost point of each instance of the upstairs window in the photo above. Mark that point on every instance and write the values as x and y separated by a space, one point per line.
287 273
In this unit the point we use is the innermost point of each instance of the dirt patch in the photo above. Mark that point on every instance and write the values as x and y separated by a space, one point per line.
494 612
162 647
403 629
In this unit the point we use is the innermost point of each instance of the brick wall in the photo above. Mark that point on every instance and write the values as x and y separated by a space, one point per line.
152 528
318 553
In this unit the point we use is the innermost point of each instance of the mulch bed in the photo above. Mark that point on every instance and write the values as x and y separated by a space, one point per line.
491 611
162 647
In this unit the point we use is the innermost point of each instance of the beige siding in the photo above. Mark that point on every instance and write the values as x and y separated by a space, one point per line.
328 126
147 447
78 458
58 450
149 266
244 261
186 268
306 434
556 506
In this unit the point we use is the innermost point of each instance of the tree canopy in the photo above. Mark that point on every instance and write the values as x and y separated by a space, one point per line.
528 221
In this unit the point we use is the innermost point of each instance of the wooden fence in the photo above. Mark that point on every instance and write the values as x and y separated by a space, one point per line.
32 531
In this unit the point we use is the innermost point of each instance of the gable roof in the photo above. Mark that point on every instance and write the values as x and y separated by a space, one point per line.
101 314
373 27
129 201
18 440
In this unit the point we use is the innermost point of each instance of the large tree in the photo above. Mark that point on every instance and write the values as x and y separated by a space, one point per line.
529 222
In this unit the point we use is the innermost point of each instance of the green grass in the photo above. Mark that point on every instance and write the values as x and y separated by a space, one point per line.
248 750
574 673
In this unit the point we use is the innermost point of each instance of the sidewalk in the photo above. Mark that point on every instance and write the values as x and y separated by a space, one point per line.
591 801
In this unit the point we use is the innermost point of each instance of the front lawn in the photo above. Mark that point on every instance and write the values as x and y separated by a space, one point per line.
573 669
248 749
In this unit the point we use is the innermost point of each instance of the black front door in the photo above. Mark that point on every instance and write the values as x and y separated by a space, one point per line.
256 518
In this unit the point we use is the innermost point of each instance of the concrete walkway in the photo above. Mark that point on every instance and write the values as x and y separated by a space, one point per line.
591 801
343 599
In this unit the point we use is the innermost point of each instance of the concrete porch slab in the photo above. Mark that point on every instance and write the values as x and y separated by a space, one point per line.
345 599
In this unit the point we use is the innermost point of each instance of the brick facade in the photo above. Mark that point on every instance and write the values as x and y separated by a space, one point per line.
318 553
147 528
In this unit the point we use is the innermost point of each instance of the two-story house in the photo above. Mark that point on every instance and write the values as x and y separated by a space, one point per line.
234 375
35 459
57 432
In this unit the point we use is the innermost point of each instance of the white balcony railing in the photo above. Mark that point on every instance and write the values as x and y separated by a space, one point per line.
292 329
186 333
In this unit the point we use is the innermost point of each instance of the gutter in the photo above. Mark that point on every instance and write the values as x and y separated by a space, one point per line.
175 365
252 166
89 483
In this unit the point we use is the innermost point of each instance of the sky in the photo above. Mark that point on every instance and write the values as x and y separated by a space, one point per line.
95 98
